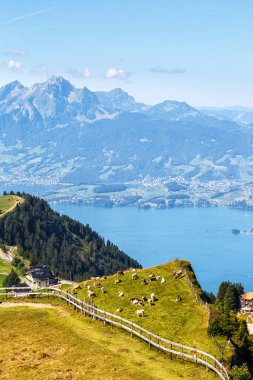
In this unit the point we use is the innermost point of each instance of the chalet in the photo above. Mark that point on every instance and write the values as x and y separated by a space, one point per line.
40 277
246 301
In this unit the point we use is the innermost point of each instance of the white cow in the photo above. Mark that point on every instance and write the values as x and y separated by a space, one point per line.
140 313
91 294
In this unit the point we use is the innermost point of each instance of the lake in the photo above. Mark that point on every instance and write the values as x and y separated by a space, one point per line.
201 235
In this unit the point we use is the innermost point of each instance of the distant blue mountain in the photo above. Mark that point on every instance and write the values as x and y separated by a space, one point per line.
240 115
118 99
53 131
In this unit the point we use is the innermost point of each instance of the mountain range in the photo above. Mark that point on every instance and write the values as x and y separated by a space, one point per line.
53 131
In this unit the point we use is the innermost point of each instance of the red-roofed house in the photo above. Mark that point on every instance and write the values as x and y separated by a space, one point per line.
246 301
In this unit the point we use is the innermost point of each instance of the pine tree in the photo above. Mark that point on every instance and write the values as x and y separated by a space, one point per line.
231 299
11 280
221 293
240 373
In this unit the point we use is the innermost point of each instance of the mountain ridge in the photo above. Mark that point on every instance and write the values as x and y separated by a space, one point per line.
55 132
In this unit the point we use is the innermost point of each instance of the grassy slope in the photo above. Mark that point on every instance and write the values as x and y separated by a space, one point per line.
184 322
54 344
8 203
5 269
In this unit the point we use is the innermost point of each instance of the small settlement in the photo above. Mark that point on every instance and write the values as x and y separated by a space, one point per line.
40 277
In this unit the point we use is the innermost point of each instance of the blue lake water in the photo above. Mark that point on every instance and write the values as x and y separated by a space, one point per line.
201 235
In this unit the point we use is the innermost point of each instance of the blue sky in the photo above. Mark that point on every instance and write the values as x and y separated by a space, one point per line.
199 51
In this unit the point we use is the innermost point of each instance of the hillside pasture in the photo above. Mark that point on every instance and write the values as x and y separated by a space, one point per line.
184 322
5 268
8 203
54 343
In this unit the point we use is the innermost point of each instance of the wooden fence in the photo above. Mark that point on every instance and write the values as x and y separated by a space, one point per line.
194 288
89 309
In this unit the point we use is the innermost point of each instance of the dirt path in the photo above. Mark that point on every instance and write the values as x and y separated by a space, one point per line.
18 200
250 328
5 256
36 306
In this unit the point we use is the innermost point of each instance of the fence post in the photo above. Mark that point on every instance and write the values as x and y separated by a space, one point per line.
131 328
104 316
171 350
93 310
206 364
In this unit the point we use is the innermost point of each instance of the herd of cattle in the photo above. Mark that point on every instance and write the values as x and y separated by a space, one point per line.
134 301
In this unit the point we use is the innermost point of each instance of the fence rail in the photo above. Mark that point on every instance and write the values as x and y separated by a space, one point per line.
89 309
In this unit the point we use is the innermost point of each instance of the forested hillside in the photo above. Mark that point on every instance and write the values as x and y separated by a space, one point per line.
71 250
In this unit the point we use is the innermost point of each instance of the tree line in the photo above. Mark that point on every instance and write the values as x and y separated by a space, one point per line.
227 326
70 249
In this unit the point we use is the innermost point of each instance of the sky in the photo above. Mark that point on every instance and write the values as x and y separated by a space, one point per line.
198 51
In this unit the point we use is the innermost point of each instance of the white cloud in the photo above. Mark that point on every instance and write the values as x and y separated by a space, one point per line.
15 52
86 73
13 65
175 70
28 15
114 73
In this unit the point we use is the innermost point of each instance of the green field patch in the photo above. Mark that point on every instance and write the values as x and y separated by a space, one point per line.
5 269
183 322
46 343
8 203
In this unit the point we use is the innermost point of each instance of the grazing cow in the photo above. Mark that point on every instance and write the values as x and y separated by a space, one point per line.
120 272
140 303
152 297
119 310
134 301
153 278
144 299
179 299
91 294
134 276
104 278
118 281
143 282
102 290
97 284
177 274
121 294
150 302
140 313
87 287
163 280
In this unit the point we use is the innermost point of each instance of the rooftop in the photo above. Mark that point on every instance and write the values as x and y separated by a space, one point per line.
40 271
248 296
